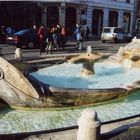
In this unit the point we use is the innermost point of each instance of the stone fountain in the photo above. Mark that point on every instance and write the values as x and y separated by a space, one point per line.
83 80
129 55
88 60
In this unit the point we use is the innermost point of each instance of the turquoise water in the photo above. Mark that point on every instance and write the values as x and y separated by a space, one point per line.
14 121
106 76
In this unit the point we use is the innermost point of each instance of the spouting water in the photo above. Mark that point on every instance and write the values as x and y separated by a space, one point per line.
89 49
127 63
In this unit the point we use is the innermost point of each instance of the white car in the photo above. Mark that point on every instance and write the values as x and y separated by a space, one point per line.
115 34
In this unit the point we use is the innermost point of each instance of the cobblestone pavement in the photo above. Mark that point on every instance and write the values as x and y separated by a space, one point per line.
131 134
7 51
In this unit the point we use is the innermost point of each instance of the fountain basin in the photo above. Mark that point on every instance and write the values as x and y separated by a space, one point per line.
66 87
17 121
78 97
63 85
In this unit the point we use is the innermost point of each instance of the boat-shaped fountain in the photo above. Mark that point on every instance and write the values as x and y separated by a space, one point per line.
89 78
82 81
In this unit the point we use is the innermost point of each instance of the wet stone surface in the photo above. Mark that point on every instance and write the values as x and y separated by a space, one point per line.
131 134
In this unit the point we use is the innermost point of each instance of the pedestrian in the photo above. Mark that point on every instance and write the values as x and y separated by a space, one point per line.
49 40
79 37
55 37
62 38
63 32
35 29
58 32
36 41
9 30
2 35
41 36
87 33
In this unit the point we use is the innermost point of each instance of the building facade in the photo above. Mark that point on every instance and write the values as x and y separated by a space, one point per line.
94 13
137 11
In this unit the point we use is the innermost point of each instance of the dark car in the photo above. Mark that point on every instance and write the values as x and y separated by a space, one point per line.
24 39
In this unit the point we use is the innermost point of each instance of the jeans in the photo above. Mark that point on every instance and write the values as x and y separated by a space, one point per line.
49 47
79 44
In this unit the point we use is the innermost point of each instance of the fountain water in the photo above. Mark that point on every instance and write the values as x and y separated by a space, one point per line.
18 121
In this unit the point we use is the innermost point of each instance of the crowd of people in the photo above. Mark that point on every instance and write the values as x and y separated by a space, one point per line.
52 38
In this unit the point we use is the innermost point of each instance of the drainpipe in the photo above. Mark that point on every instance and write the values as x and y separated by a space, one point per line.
131 22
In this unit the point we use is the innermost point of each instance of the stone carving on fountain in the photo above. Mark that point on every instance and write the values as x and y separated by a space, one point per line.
88 60
129 55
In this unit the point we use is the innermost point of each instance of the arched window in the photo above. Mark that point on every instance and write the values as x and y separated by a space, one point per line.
113 18
97 21
52 15
70 20
126 22
127 1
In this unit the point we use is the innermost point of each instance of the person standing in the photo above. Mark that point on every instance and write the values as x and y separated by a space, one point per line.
49 40
87 32
8 30
55 37
63 39
59 30
79 37
36 40
2 35
41 36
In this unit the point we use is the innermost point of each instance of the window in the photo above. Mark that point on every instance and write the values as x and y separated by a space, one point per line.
127 1
107 30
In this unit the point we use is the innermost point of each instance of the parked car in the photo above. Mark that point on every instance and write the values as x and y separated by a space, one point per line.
24 39
115 34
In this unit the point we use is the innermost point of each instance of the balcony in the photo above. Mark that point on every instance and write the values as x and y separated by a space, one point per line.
119 4
66 1
75 1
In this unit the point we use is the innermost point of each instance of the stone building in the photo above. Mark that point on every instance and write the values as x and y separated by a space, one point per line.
137 11
94 13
